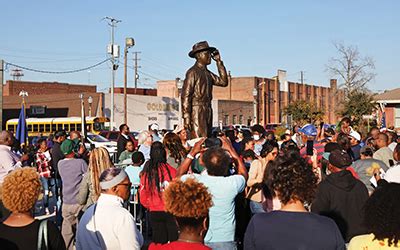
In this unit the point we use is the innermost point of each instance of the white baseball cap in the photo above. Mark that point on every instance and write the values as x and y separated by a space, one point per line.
154 126
355 135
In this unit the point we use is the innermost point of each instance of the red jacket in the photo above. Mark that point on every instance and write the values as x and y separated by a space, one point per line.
150 198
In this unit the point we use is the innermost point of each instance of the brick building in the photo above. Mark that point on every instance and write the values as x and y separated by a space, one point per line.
47 99
138 91
12 88
272 95
54 99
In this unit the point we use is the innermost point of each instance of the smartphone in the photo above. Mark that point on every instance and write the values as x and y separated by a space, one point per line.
310 147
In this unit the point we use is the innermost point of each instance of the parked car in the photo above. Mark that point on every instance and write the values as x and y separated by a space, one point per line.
113 136
101 141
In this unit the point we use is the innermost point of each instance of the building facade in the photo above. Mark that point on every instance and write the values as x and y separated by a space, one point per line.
390 103
267 96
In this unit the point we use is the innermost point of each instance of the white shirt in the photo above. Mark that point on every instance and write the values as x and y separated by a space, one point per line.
392 146
393 174
115 227
8 161
384 154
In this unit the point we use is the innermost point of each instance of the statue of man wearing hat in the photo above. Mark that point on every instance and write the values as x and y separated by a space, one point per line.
197 89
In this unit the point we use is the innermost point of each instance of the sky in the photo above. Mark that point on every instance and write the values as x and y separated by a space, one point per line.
255 38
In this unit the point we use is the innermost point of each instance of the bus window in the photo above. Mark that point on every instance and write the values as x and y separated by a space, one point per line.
11 128
78 127
47 127
72 127
53 127
35 127
41 127
30 127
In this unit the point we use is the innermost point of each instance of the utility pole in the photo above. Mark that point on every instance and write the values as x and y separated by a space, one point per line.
136 67
1 93
302 77
113 49
230 84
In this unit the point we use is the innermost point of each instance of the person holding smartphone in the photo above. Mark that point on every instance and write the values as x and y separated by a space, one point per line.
309 138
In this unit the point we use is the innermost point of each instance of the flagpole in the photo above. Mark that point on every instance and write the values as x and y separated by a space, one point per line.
23 129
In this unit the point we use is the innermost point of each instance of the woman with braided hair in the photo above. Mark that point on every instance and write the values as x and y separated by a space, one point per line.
155 178
90 190
176 152
189 202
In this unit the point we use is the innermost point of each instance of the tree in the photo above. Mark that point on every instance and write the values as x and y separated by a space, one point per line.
358 103
353 70
303 112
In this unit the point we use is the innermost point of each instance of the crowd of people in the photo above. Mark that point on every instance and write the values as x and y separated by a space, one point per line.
314 187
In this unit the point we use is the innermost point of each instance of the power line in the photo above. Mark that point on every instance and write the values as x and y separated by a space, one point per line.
165 66
155 78
47 52
56 72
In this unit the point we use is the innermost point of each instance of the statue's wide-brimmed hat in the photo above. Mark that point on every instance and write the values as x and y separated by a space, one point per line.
200 46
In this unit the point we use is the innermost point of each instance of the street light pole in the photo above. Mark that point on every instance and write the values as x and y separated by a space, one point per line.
90 101
179 84
255 94
83 122
129 42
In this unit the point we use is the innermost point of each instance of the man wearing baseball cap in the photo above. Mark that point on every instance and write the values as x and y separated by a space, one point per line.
355 142
309 133
341 196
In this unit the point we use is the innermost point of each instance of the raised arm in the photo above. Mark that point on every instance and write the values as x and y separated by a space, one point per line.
185 165
227 145
222 79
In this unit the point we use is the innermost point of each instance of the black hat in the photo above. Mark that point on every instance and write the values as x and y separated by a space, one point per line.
200 46
137 157
60 133
340 159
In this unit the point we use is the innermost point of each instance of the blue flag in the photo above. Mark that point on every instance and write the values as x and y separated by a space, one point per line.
383 121
22 132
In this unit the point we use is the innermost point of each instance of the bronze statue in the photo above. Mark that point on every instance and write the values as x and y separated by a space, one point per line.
197 89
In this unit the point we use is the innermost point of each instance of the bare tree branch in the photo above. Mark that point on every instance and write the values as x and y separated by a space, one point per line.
353 71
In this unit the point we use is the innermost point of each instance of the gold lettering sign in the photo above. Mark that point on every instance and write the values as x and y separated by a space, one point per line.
162 106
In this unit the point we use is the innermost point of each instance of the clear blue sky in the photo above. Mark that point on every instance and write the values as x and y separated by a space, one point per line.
254 37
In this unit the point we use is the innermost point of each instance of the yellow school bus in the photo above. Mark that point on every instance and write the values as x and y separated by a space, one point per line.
47 126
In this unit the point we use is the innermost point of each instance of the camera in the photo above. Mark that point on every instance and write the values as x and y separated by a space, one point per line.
212 142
